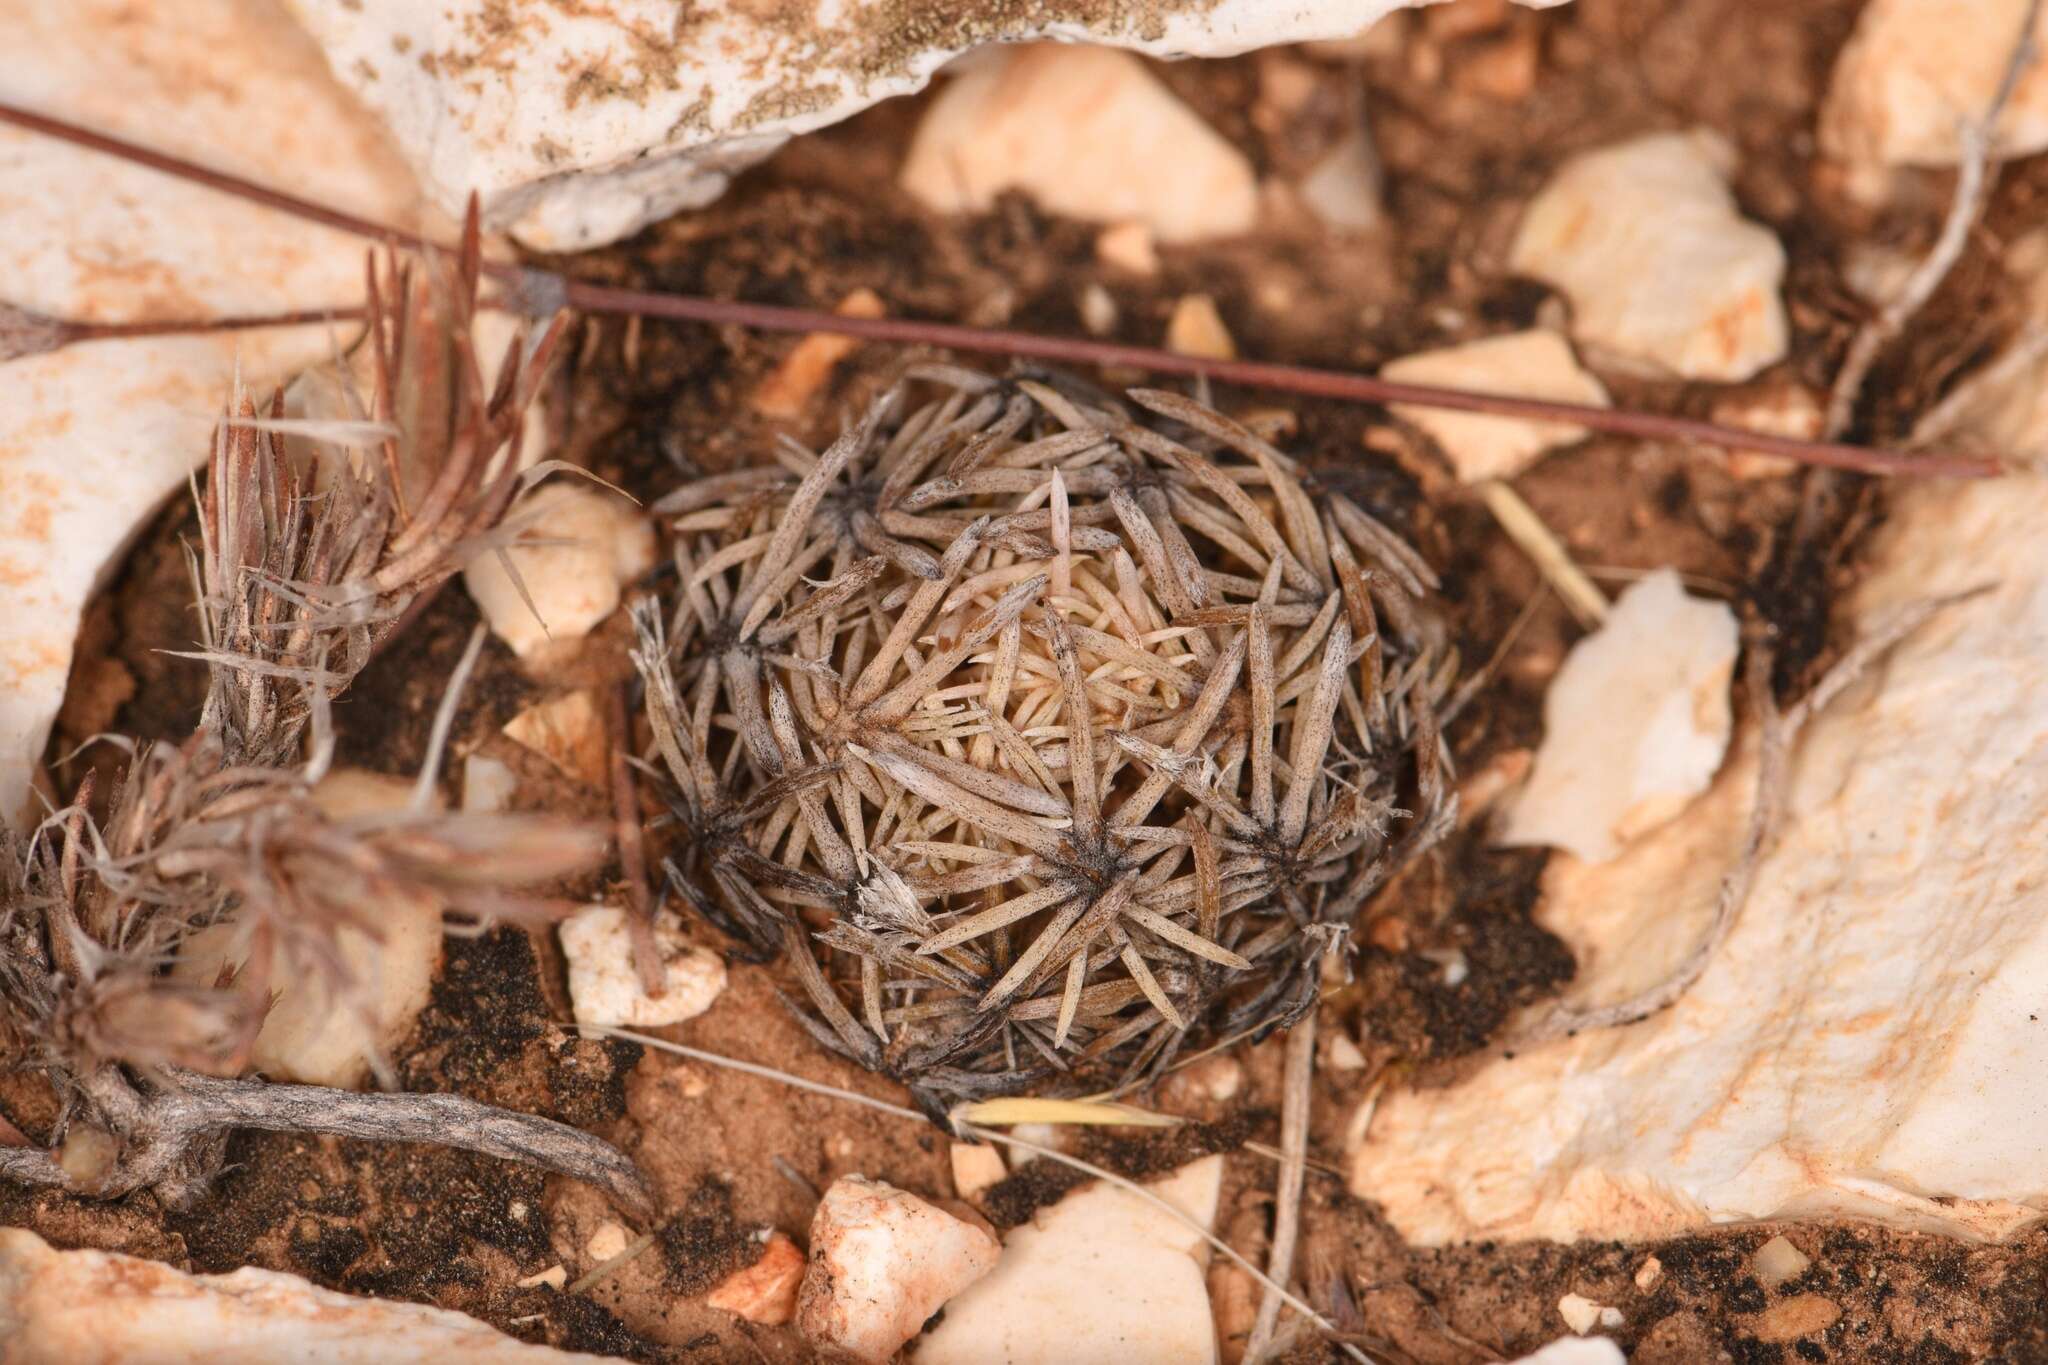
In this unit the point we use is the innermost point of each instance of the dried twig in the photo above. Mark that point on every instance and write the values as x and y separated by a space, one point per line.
1297 1096
24 332
1519 520
1975 175
543 291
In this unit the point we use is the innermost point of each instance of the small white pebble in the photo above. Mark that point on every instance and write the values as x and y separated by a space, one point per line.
1098 311
1649 1273
976 1166
554 1277
1777 1261
1582 1315
598 541
608 1241
1197 329
487 785
1341 1053
604 986
1128 246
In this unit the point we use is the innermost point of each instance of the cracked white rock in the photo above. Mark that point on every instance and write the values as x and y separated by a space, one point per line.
1087 132
1913 70
579 125
94 437
1102 1275
882 1262
577 547
59 1307
605 988
1869 1041
305 1037
1634 725
1532 364
1659 265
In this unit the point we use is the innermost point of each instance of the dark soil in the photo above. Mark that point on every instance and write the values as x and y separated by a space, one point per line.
729 1154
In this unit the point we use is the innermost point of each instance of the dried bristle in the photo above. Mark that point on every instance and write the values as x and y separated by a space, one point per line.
303 566
1065 726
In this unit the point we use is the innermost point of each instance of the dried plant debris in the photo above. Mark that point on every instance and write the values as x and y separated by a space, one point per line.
1041 728
308 559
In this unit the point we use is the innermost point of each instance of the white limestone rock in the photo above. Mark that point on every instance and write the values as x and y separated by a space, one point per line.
1102 1275
1634 725
1870 1040
578 545
94 437
62 1307
1532 364
305 1037
1913 70
882 1262
579 125
604 987
1576 1351
1087 132
1659 265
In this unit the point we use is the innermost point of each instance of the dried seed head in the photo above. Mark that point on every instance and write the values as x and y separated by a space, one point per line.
1064 726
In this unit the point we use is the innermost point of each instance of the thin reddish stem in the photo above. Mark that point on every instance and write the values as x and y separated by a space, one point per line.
530 283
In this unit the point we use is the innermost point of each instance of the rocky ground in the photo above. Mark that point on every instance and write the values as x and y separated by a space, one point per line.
1471 110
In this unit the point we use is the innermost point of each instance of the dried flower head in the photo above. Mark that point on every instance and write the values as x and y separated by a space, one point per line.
307 561
1063 727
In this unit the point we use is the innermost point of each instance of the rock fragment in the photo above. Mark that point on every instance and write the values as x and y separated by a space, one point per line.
1864 1043
604 987
789 388
567 731
1659 265
1196 328
579 125
882 1262
1532 364
1582 1314
1777 1261
60 1307
764 1292
1101 1275
578 546
1343 187
1577 1350
976 1166
1088 133
1128 247
1913 70
609 1240
1635 723
1802 1315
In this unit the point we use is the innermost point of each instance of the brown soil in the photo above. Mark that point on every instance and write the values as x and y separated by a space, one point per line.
729 1154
